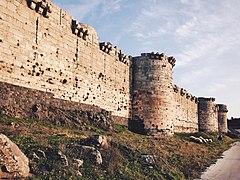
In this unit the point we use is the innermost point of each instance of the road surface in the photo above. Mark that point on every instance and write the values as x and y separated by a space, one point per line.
227 168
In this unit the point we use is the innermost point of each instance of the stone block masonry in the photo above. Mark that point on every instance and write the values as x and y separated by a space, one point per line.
222 118
186 111
43 48
212 117
152 96
49 58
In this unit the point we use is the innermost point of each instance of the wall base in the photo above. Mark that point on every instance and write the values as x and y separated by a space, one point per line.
21 102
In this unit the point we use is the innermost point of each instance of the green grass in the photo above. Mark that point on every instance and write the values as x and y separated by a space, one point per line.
175 157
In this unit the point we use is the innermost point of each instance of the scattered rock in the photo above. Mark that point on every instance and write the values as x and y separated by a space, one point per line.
13 163
91 154
147 159
97 141
204 140
196 139
200 140
33 156
77 162
210 140
63 158
78 173
41 153
97 157
102 119
86 149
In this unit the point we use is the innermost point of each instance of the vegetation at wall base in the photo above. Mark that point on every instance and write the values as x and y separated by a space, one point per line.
174 157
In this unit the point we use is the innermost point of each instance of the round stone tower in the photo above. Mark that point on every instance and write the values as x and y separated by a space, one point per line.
152 94
222 118
207 115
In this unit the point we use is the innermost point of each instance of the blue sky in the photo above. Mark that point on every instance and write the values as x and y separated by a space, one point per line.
203 35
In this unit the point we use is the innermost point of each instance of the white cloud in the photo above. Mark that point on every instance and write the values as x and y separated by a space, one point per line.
184 1
112 6
79 9
154 20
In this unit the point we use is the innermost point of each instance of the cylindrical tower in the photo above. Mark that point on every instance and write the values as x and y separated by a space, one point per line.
152 94
207 115
222 118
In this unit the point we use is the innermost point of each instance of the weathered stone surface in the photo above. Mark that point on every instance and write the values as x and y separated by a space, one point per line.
91 154
196 139
207 115
185 111
63 158
44 54
97 141
77 162
40 153
13 163
222 118
24 102
152 97
147 159
200 139
97 156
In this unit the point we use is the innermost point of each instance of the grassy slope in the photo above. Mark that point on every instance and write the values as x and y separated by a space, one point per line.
176 157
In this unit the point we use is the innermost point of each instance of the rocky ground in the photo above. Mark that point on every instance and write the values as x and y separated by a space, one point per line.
58 152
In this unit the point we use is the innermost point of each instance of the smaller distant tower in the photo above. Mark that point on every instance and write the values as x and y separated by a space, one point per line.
222 118
207 115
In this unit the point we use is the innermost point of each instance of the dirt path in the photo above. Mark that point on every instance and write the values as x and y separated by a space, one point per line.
227 168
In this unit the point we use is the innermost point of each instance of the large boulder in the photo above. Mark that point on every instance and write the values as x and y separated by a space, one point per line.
97 141
91 154
13 163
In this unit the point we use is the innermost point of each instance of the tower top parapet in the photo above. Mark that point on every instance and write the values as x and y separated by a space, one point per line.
206 99
222 108
160 56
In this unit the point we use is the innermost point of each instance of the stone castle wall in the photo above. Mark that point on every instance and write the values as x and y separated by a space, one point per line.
186 111
48 56
43 48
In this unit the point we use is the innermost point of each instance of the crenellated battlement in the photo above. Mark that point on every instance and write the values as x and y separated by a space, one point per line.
222 108
176 88
160 56
108 48
42 7
85 32
207 99
79 30
172 61
153 55
183 92
194 98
